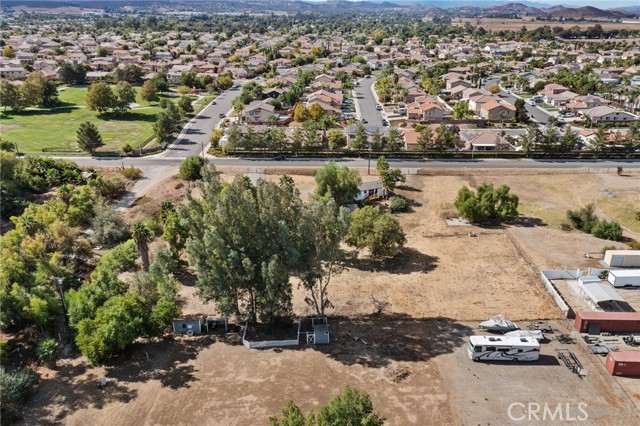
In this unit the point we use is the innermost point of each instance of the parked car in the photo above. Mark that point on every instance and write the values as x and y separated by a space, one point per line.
364 121
532 103
379 107
385 123
222 115
279 158
367 76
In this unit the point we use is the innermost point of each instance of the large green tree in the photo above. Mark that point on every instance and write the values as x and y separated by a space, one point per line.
323 226
379 232
337 182
242 244
88 137
124 95
487 204
388 177
100 97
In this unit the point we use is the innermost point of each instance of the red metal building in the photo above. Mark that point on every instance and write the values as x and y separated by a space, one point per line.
624 363
612 322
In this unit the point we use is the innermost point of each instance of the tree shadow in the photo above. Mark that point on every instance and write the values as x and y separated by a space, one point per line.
407 261
526 222
166 360
127 116
377 341
73 390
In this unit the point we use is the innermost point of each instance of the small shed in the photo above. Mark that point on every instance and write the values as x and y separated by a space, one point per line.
371 188
624 363
189 326
624 277
320 331
610 322
622 258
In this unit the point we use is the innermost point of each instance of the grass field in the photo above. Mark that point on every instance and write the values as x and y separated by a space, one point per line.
56 128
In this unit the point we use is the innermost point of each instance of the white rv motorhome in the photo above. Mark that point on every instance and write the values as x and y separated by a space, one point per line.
490 348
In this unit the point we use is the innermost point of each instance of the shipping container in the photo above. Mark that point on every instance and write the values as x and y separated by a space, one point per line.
622 258
624 277
625 363
611 322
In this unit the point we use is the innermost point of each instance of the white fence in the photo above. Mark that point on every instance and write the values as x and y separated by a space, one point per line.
270 343
546 277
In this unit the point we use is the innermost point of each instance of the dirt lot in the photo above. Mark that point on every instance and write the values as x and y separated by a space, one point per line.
413 365
417 373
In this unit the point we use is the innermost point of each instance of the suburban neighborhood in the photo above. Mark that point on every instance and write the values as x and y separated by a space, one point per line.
319 213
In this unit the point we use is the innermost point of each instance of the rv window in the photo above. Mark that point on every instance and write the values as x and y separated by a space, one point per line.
519 350
503 349
184 325
478 349
490 349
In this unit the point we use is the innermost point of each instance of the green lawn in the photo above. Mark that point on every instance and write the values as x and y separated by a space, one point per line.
56 128
525 95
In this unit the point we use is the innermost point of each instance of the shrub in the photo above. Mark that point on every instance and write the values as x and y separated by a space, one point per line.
48 351
108 226
190 169
605 248
583 219
607 230
399 204
603 275
127 149
107 188
131 173
153 226
16 387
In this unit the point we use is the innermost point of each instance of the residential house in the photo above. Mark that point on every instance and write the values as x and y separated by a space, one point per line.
485 141
607 114
497 110
176 71
258 112
559 99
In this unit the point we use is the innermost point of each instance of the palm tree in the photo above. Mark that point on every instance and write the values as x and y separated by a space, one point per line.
142 236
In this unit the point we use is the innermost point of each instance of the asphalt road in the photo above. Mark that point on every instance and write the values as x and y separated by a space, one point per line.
367 104
152 162
195 135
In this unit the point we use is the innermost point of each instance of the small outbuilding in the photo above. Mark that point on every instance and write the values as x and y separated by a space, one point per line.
624 277
610 322
189 326
624 363
622 258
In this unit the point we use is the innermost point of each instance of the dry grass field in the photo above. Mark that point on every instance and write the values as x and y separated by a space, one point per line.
413 363
500 24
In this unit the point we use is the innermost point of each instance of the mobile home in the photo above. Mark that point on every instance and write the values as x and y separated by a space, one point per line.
490 348
624 277
622 258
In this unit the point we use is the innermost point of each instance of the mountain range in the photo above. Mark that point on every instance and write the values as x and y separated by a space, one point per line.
478 7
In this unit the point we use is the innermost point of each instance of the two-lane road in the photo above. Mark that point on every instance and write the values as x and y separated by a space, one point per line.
194 137
367 104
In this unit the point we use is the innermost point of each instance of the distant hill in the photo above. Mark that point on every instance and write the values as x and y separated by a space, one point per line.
513 9
344 4
586 12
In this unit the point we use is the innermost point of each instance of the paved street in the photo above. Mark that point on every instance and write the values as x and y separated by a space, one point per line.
151 162
195 136
367 104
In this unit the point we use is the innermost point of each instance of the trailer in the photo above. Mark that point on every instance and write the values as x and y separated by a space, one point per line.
624 277
622 258
570 360
490 348
624 363
611 322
